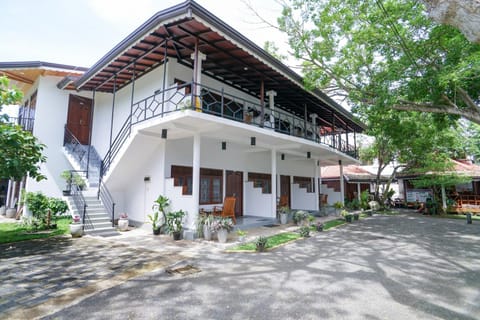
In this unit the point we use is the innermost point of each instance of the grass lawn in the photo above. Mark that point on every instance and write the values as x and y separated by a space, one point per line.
456 216
282 238
14 232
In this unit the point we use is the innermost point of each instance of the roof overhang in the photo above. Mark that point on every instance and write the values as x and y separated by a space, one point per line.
231 58
23 74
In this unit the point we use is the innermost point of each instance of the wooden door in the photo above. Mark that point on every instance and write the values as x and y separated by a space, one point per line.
285 188
234 187
79 118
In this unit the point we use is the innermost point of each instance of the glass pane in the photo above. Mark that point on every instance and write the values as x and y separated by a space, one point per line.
217 190
204 190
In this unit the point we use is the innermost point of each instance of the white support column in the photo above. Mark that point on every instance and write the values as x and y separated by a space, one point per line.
271 104
342 184
12 194
274 183
359 191
9 194
197 58
195 182
444 199
163 150
316 163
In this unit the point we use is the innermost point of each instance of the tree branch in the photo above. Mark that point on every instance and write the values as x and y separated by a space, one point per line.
468 114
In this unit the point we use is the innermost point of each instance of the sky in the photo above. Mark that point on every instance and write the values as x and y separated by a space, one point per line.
80 32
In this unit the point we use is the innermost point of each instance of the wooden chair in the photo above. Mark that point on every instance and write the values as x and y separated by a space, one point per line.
227 210
323 199
283 202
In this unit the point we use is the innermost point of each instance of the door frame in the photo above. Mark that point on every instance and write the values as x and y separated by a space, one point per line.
238 191
88 121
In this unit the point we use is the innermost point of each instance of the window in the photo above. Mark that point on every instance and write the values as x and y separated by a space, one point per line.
211 182
212 103
304 182
261 180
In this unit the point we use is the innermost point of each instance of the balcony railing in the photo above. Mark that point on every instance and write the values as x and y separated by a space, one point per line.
219 103
25 123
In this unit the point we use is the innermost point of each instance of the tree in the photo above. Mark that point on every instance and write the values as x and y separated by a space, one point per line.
381 55
384 53
21 153
462 14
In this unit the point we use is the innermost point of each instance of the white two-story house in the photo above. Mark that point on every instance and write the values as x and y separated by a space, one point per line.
187 107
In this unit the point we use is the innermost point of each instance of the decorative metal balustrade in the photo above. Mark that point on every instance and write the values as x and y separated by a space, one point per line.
79 200
107 200
25 123
219 103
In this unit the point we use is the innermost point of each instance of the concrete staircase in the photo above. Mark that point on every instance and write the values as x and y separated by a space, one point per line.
97 221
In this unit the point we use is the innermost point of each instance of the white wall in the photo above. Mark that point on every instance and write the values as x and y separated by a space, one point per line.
50 118
301 199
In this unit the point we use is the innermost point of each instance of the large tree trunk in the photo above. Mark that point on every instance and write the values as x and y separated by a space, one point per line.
462 14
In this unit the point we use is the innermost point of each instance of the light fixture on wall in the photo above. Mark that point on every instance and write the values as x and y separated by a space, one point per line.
283 156
309 154
224 145
253 141
164 133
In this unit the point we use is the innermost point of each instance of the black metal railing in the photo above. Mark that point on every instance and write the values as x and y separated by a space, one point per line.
75 148
107 200
25 123
217 102
79 200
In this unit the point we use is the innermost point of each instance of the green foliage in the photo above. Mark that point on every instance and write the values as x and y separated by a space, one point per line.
338 205
385 55
37 203
21 153
364 197
174 221
155 220
57 205
14 232
299 216
261 243
8 95
272 49
304 232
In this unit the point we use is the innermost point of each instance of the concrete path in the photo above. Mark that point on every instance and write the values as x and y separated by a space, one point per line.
384 267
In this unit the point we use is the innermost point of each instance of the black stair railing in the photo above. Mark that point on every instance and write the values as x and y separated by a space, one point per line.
76 149
79 200
106 198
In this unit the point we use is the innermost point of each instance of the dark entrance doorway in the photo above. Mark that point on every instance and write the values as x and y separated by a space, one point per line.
79 118
285 188
234 187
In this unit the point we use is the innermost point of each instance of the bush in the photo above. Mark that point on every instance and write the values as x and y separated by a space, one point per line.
304 231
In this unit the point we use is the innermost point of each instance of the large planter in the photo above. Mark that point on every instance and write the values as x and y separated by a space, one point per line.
156 231
222 235
207 232
348 218
3 210
177 236
76 230
356 216
123 224
10 213
283 218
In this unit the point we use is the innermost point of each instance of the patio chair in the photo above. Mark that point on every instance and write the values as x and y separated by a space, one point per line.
227 210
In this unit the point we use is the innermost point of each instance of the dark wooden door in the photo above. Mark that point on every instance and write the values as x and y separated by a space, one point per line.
285 188
79 118
234 188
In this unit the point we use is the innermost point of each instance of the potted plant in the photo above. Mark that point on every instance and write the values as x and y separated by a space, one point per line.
356 216
338 206
222 226
241 235
156 220
174 223
261 243
304 231
123 222
67 175
319 226
76 228
299 217
283 212
160 205
207 227
346 215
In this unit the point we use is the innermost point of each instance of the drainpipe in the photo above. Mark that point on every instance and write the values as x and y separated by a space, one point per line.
262 103
316 163
274 183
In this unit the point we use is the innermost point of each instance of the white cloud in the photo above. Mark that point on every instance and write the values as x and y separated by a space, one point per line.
119 12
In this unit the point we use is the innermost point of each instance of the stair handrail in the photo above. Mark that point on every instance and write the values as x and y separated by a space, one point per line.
79 200
105 197
77 150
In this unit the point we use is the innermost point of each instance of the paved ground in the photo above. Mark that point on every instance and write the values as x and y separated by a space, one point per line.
395 267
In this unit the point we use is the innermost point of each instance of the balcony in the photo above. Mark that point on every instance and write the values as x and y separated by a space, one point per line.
222 104
25 123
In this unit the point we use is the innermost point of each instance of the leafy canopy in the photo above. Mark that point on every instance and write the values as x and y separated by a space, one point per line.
21 153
